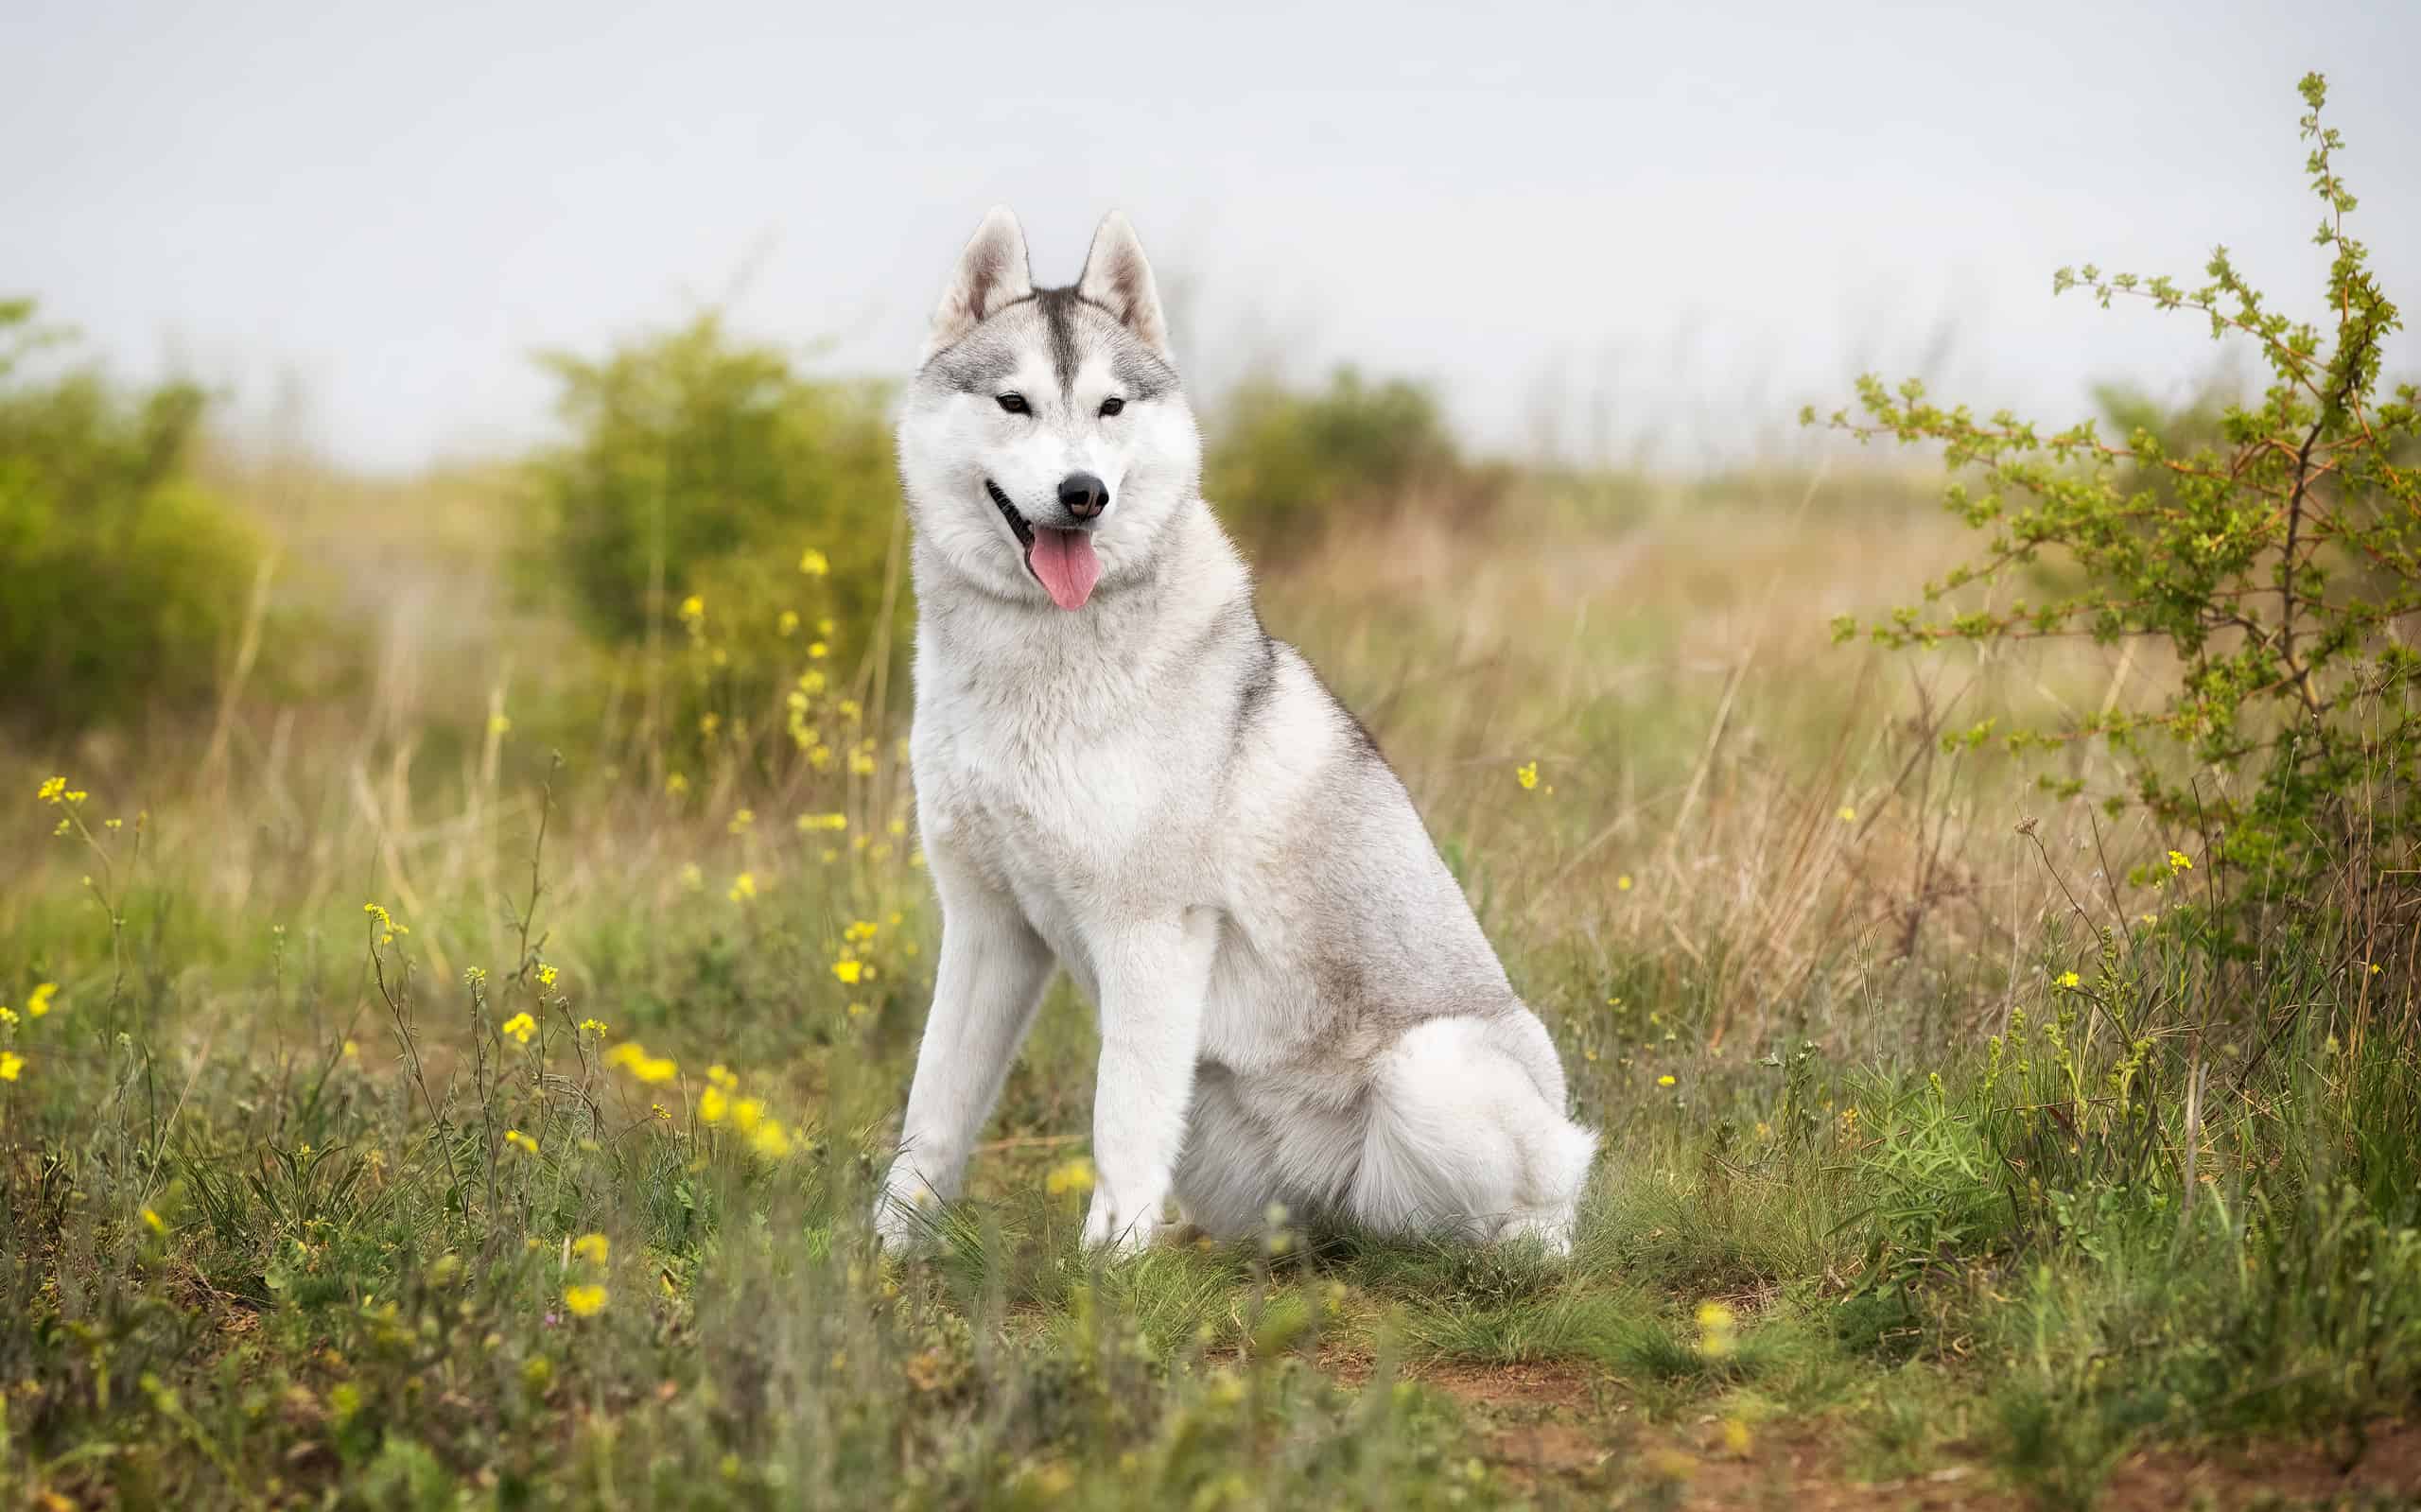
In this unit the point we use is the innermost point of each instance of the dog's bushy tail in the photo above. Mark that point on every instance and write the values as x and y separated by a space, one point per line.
1468 1137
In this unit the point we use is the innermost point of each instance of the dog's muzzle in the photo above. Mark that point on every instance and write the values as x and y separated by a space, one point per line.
1009 513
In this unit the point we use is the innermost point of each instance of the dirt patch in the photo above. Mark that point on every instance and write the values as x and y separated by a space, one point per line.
2295 1473
1555 1426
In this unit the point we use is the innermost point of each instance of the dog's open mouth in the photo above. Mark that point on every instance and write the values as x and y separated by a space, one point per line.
1062 561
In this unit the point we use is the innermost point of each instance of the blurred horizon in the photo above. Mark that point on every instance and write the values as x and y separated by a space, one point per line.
1600 235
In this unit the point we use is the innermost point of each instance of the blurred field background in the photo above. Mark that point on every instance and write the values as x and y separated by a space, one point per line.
466 971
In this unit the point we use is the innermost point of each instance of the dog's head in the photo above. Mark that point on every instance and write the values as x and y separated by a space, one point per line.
1046 438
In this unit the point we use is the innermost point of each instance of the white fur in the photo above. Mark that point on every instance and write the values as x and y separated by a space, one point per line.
1295 1004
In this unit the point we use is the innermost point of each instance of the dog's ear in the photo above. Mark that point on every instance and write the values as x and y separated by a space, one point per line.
1117 277
991 272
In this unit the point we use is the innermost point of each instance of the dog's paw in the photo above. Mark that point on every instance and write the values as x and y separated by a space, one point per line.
906 1219
1120 1234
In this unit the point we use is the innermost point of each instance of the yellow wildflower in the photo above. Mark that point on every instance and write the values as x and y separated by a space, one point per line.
720 1075
785 624
746 1112
1527 774
655 1068
814 563
585 1300
498 725
592 1248
39 1003
547 975
1622 883
713 1105
1074 1175
594 1027
693 609
1666 1080
849 971
1715 1324
1846 815
521 1026
2070 979
770 1140
2177 859
676 784
813 822
818 651
154 1221
743 820
743 886
51 789
811 680
516 1139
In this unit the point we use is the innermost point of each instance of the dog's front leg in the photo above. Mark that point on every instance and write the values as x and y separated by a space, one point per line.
986 986
1154 977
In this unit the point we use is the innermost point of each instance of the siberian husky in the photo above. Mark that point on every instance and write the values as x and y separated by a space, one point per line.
1120 772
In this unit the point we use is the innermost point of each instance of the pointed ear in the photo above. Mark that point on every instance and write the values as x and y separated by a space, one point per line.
1117 277
991 272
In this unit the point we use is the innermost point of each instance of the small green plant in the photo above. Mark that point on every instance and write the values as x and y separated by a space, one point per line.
126 581
706 471
1283 464
2276 560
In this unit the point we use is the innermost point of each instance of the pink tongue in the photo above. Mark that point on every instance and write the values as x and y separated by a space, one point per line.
1063 561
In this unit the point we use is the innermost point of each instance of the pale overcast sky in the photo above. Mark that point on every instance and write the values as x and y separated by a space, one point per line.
1584 224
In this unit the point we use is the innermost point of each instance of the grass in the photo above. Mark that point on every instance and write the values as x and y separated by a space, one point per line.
1887 1213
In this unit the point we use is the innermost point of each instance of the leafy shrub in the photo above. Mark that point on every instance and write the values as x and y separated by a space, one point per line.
127 581
700 464
2275 560
1283 464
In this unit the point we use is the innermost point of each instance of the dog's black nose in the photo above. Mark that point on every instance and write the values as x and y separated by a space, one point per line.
1084 494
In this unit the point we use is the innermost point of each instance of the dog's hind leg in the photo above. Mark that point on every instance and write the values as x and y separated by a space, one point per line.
1466 1136
1225 1179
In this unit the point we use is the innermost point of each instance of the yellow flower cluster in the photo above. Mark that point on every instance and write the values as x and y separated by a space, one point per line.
632 1056
1527 774
1076 1175
387 928
521 1026
516 1139
1717 1325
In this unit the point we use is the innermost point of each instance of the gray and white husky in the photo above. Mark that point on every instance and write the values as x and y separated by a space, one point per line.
1119 771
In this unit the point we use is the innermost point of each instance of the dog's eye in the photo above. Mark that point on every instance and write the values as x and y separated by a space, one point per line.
1112 405
1014 404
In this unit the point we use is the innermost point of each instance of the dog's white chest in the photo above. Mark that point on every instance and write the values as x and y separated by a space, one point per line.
1080 827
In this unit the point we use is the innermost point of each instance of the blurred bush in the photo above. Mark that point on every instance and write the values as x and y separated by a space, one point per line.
127 581
703 467
1283 464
